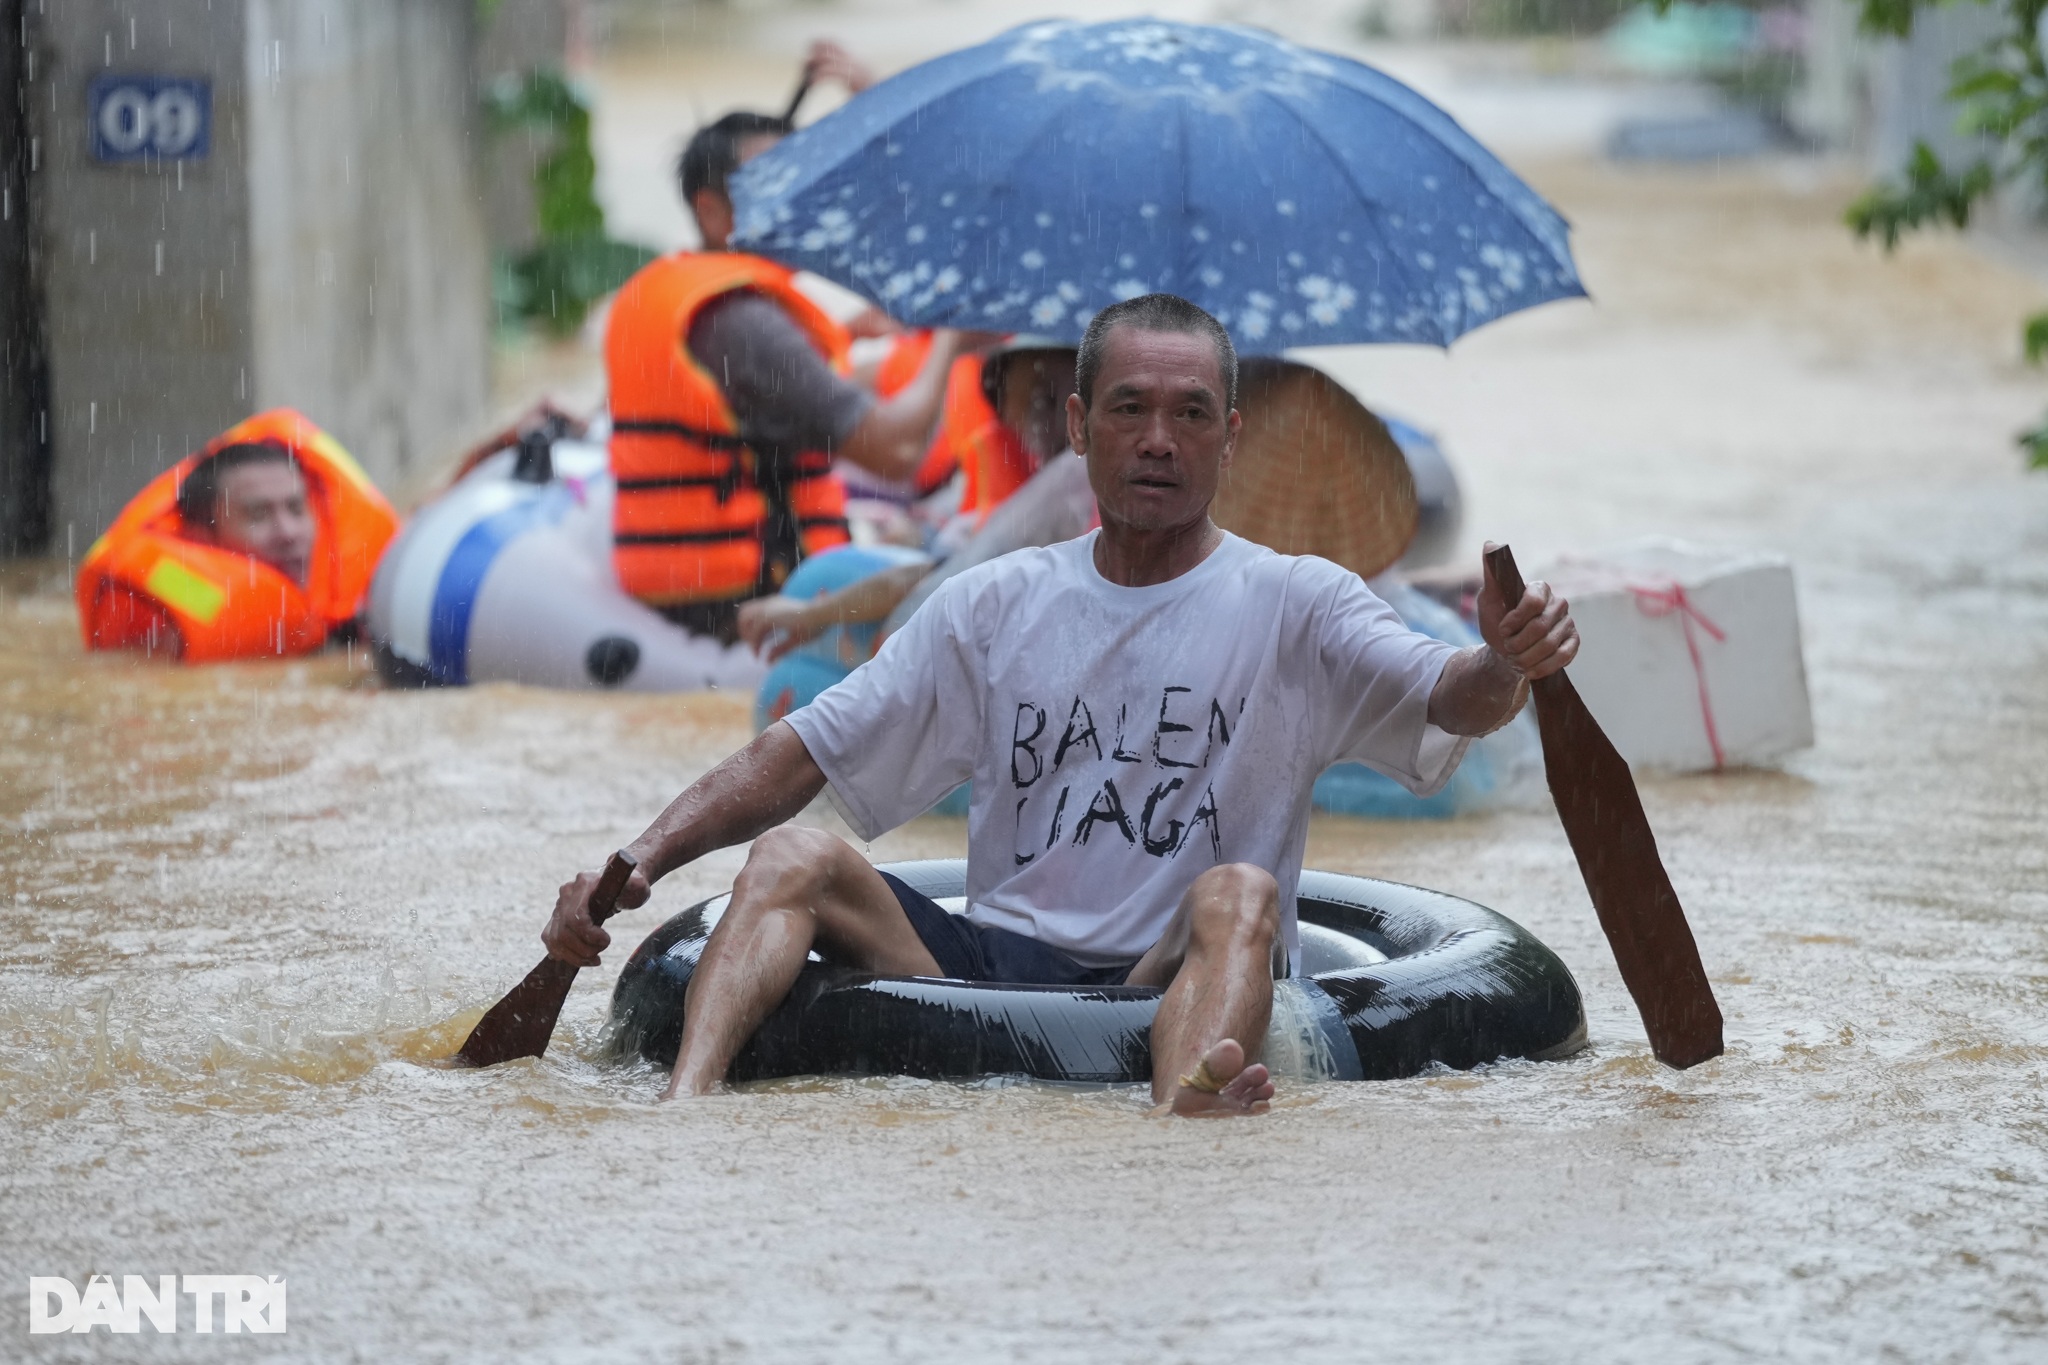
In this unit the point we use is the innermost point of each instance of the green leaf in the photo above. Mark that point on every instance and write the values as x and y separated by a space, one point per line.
2037 337
1931 194
1984 81
575 263
1888 18
2035 443
555 283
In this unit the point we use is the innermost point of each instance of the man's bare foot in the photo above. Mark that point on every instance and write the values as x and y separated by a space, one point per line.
1246 1089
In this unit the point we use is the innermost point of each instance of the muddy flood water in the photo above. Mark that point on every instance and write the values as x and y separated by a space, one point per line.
241 907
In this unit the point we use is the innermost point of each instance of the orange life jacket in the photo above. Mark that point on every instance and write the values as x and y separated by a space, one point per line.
996 459
697 513
148 571
905 359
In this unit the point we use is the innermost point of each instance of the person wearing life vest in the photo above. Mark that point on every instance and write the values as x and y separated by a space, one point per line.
260 545
903 512
1004 419
730 400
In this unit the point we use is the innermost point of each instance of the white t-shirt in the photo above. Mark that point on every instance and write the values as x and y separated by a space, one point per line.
1121 741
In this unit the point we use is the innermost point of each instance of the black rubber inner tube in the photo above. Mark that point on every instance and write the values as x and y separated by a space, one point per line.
1394 978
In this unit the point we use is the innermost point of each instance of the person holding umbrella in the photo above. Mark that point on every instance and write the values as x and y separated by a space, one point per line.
730 400
1140 711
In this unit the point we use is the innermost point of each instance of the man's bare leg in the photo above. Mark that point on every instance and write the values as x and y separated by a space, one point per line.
1218 959
800 888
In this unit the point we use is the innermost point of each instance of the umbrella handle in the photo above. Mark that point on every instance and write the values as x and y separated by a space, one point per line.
803 87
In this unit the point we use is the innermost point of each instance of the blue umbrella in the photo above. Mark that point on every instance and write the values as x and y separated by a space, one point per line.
1024 184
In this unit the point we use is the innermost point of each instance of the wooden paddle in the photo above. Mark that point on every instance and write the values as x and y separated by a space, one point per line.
521 1024
1603 817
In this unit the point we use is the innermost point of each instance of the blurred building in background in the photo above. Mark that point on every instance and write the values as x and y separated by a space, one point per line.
208 207
1878 97
218 206
519 37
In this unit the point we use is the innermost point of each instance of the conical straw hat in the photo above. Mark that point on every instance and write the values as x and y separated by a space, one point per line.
1315 472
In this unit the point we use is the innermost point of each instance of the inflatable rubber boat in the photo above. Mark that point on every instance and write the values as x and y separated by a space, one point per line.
507 577
1393 979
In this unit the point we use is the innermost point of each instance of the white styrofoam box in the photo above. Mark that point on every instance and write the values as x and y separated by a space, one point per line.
1637 674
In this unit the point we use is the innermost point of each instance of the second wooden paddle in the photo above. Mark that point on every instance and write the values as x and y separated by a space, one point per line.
521 1024
1603 818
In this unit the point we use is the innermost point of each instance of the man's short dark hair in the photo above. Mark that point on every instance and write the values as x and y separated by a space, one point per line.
199 494
714 150
1153 313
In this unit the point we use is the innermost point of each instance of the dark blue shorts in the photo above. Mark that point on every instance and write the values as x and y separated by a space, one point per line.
979 952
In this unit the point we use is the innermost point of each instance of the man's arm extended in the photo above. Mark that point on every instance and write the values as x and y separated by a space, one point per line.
791 622
754 790
1483 687
891 440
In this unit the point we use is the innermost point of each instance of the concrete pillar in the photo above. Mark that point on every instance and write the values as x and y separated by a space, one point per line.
142 266
24 449
370 270
326 252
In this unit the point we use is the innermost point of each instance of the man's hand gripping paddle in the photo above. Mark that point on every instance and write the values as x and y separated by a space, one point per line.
521 1024
1603 817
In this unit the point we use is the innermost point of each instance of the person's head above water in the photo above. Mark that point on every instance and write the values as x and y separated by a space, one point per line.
1154 411
252 498
708 162
1028 387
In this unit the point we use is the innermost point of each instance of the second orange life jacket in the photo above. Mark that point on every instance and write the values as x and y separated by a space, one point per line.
898 368
699 514
997 461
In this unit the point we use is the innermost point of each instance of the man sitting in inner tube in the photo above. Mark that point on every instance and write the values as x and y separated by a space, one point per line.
260 545
730 399
1141 711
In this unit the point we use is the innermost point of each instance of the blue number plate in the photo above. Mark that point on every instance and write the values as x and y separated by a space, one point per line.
138 118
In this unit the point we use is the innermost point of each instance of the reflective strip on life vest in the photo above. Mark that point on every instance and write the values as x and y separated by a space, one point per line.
178 587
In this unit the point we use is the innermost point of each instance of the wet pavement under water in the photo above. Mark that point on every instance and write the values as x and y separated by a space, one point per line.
240 907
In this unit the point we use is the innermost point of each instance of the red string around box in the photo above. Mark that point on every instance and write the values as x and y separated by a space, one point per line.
1665 599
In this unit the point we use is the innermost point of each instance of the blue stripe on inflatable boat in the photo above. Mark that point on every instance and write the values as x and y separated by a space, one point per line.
462 577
